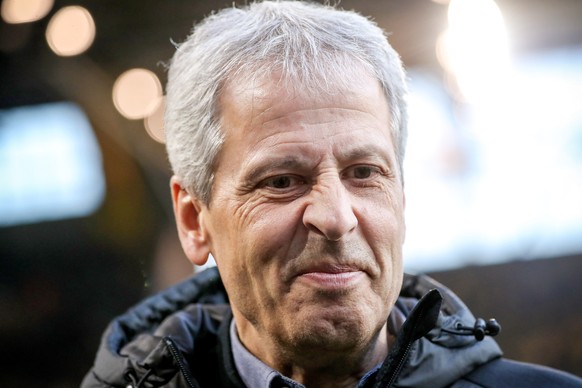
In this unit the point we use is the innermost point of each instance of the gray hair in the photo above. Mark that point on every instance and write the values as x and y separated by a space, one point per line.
313 45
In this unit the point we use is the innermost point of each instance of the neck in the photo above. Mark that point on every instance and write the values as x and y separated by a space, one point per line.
317 366
341 370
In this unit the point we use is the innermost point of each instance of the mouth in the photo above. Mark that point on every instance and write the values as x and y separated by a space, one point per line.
331 277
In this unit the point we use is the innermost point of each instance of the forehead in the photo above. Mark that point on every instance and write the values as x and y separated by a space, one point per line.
273 102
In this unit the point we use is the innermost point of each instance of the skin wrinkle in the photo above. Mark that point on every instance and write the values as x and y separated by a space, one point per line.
331 186
258 170
336 114
264 164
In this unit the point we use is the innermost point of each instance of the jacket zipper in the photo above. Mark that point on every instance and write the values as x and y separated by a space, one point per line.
398 368
419 312
185 372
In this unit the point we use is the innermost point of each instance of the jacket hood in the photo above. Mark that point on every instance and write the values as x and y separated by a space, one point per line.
155 334
154 341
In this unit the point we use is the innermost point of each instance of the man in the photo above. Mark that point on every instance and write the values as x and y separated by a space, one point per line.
286 125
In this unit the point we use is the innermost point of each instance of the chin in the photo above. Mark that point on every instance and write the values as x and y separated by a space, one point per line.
334 331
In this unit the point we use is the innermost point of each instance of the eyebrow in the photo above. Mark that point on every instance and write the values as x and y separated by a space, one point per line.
274 163
361 152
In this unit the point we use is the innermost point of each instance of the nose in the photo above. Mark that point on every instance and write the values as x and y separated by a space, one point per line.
329 211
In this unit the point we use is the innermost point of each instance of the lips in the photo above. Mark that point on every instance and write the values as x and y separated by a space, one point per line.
328 269
328 264
331 277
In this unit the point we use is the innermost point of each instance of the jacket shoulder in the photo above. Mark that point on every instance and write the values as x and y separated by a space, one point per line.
508 373
155 339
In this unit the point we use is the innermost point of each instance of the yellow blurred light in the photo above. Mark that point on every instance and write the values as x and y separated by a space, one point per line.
154 123
475 47
24 11
70 31
137 93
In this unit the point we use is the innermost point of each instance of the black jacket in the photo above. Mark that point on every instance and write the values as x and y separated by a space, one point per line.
180 338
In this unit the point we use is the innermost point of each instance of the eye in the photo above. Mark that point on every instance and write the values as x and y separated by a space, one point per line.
361 172
282 182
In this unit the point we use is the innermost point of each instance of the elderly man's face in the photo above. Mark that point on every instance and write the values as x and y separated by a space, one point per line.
306 217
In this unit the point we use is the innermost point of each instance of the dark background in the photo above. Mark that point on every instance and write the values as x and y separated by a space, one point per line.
62 281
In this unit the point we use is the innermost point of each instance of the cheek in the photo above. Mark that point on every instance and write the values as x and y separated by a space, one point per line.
383 222
272 225
256 240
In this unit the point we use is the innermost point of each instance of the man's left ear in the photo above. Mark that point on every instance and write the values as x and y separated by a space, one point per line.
189 211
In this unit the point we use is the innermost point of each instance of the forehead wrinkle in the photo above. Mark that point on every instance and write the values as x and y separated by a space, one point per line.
330 114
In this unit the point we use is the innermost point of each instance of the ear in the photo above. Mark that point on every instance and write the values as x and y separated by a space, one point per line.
188 211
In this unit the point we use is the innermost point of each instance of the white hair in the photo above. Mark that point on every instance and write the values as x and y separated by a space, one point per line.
309 44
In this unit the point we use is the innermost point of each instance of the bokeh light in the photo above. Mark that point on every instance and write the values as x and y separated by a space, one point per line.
137 93
475 48
154 123
70 31
25 11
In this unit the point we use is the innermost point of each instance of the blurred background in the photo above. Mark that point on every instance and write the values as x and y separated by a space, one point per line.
493 168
